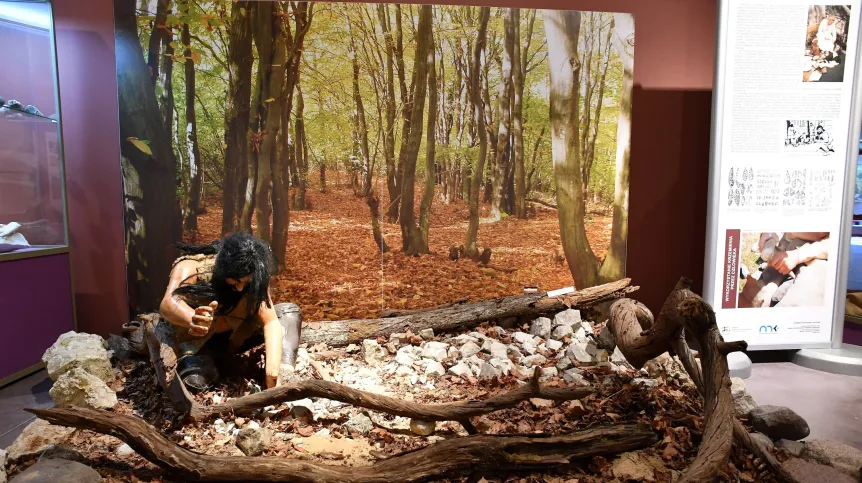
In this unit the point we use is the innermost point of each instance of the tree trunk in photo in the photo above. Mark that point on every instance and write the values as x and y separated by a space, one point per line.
152 223
361 126
588 87
491 126
269 41
194 152
410 236
518 120
237 105
398 51
392 180
470 247
591 130
158 38
505 116
322 168
303 13
301 151
165 79
430 150
563 29
614 265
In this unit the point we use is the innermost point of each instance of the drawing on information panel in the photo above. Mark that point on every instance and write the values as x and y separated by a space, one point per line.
809 137
741 193
821 184
767 188
794 188
826 43
783 269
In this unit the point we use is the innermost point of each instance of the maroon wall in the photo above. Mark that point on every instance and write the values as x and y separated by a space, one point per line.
88 102
674 58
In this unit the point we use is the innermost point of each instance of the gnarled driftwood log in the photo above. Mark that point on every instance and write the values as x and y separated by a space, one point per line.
470 454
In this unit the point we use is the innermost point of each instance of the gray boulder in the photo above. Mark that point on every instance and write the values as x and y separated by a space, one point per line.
763 440
78 387
38 436
58 471
743 401
372 352
541 327
793 448
807 472
570 317
253 441
359 423
779 422
837 455
85 351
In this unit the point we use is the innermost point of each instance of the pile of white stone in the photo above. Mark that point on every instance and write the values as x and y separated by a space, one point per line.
80 367
559 346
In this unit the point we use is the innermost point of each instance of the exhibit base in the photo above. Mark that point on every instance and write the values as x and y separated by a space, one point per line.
847 360
739 365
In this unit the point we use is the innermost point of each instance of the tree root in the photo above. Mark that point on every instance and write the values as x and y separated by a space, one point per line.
450 457
453 411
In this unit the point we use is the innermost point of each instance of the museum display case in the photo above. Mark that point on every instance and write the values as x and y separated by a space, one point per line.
34 250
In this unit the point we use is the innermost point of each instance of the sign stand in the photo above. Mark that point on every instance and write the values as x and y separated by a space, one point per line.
785 144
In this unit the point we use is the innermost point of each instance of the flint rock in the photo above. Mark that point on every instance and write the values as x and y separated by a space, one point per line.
564 363
488 371
570 317
57 470
460 369
573 376
592 348
541 327
606 338
779 422
37 437
618 356
78 387
422 428
553 345
534 360
577 352
359 423
372 352
434 368
84 351
562 331
743 401
253 441
436 351
837 455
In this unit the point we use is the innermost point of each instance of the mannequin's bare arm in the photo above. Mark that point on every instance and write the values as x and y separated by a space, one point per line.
272 337
174 309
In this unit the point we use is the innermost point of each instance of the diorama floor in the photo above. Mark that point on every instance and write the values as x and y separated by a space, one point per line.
831 403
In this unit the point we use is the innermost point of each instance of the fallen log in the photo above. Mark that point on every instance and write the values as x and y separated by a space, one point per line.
470 454
339 333
714 450
386 313
453 411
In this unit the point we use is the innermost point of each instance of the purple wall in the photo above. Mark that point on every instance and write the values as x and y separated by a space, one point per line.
88 102
41 312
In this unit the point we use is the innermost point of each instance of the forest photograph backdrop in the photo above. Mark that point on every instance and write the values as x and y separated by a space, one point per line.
394 156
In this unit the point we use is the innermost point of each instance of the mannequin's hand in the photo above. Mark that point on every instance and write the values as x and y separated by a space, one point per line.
271 377
203 319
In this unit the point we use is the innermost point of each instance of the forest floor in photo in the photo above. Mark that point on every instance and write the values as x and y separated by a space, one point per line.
335 270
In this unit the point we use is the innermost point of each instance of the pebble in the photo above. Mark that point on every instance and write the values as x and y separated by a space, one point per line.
422 428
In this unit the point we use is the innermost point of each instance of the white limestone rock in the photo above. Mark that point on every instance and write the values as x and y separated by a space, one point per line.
553 345
437 351
84 351
469 349
570 317
743 401
78 387
38 436
461 369
577 352
541 327
372 352
434 368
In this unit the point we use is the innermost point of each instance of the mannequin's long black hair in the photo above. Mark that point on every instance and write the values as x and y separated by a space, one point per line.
237 256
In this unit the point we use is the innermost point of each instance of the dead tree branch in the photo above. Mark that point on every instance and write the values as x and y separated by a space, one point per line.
450 457
452 411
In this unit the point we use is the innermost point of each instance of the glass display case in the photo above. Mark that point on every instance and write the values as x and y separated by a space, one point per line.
35 276
32 205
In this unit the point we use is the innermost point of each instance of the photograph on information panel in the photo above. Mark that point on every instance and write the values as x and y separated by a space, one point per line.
782 269
826 43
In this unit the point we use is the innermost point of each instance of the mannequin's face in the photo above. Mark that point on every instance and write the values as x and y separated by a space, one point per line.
238 284
831 20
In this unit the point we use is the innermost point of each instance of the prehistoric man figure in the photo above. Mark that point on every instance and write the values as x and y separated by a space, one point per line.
218 303
827 34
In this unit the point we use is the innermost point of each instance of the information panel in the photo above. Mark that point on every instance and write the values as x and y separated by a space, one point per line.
781 133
